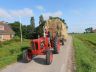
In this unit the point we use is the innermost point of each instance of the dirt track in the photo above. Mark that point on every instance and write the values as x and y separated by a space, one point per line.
62 62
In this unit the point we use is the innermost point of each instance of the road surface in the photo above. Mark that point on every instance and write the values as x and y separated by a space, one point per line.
62 62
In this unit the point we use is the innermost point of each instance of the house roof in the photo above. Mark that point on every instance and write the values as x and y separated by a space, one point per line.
7 29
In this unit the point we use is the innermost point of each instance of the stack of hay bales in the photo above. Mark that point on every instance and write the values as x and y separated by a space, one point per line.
56 25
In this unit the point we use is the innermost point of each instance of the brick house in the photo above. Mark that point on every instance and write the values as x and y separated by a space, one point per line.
6 33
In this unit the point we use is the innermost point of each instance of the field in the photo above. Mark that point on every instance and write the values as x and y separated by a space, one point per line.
10 51
85 52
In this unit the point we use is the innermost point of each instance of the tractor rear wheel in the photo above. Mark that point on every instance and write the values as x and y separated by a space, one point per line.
27 56
55 45
49 57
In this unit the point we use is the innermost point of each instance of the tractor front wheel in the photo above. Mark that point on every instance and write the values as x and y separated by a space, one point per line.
27 56
49 57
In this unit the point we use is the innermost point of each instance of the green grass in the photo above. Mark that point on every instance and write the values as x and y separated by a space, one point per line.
11 50
85 52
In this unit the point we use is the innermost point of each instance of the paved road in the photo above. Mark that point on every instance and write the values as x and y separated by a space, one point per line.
61 62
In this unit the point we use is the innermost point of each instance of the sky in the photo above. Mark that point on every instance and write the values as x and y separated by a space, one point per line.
78 14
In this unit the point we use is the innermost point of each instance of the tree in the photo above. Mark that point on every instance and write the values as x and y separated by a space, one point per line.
32 24
27 30
41 24
89 30
16 27
41 19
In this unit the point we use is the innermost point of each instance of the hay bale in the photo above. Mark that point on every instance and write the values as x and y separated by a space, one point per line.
55 25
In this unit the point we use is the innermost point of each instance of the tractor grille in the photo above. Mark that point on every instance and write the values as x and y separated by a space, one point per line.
34 46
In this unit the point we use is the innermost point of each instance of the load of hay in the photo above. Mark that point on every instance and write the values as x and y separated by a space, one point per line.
56 25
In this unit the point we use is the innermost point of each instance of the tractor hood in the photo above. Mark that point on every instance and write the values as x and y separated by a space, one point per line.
39 39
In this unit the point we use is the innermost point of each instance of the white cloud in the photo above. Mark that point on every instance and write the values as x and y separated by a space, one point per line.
4 13
54 14
26 12
40 7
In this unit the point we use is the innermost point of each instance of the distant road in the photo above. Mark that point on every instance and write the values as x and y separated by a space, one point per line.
62 62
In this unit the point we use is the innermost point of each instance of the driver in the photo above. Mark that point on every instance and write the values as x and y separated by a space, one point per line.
47 34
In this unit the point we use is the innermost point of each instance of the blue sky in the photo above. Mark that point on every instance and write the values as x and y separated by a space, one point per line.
78 14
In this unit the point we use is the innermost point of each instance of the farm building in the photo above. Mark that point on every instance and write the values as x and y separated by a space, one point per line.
6 33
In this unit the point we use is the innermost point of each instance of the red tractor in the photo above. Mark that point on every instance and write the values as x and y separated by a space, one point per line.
43 46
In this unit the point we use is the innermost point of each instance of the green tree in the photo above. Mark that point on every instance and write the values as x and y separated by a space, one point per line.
16 27
32 24
27 31
41 19
89 30
41 24
24 31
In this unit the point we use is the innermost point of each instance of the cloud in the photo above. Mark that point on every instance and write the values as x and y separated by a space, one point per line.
4 13
54 14
26 12
39 7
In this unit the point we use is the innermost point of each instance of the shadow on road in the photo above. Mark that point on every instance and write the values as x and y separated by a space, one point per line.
40 61
35 59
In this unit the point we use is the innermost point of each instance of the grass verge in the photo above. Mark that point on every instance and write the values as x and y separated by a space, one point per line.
10 51
85 52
